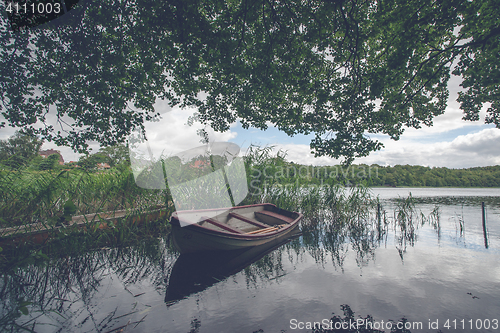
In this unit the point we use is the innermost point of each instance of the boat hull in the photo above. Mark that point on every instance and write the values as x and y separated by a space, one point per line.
195 238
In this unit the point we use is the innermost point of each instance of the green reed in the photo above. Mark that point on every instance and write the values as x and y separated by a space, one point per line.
336 218
30 199
66 241
33 196
269 180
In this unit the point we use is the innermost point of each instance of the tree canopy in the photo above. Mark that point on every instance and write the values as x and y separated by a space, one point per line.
112 155
19 149
338 69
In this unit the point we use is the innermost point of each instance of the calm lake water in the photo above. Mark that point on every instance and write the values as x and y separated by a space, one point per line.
432 270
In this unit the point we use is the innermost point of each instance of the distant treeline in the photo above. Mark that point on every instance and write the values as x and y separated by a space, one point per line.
407 175
276 170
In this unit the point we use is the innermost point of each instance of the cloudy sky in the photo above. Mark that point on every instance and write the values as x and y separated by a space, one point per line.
451 142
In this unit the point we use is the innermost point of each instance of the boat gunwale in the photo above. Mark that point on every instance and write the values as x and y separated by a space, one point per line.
195 227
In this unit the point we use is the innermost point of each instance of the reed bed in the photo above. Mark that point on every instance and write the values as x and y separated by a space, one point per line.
334 215
329 201
31 201
29 197
336 218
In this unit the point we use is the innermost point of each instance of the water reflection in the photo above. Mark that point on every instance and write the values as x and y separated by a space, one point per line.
194 272
349 323
467 201
62 292
114 289
363 233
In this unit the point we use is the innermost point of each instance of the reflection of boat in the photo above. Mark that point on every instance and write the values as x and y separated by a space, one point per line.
230 228
194 272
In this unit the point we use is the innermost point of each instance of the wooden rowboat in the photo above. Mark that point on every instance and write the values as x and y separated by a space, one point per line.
231 228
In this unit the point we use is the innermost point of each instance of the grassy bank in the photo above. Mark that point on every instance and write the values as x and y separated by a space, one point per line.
48 196
43 196
54 197
34 200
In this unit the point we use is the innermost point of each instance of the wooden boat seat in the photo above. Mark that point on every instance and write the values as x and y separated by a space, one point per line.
267 215
266 230
221 225
219 230
273 219
248 220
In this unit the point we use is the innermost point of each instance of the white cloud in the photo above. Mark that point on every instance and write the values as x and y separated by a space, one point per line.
471 150
172 134
169 135
452 117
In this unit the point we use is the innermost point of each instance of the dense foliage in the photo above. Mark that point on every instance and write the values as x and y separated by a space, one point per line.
22 152
338 69
19 150
408 175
